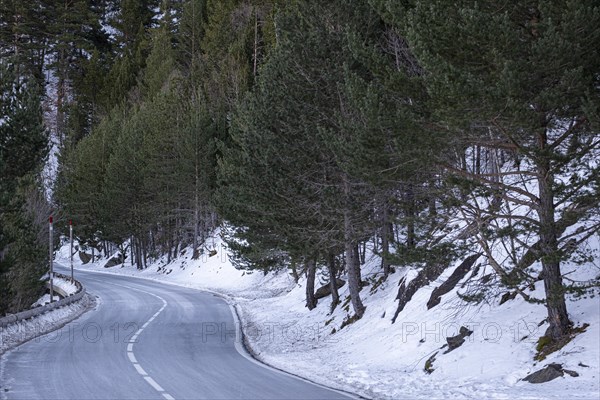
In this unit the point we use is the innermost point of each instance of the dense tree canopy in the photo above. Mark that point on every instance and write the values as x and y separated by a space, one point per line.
23 148
307 129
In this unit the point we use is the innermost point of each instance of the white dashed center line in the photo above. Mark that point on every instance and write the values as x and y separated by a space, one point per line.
133 340
131 357
140 370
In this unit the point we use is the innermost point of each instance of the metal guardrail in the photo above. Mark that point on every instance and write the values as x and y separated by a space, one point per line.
34 312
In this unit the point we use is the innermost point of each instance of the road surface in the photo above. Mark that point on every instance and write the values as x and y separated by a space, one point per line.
146 340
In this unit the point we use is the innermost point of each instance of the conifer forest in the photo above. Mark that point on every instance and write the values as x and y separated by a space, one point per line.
311 134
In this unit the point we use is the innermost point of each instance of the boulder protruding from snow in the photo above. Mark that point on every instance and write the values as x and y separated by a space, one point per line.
429 363
406 291
455 342
548 373
114 261
458 274
508 296
85 257
325 290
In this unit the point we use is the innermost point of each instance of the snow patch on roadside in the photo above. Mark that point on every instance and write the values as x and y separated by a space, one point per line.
45 299
25 330
66 285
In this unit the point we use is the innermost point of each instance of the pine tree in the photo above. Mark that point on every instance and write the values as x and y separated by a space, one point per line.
79 189
84 111
23 35
522 80
191 34
23 148
122 204
389 145
160 62
133 18
283 141
78 45
195 148
24 141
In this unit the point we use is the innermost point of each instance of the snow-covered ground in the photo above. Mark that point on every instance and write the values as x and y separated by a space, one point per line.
65 285
45 299
25 330
378 359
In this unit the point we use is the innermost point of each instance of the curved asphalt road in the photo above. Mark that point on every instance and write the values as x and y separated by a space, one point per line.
146 340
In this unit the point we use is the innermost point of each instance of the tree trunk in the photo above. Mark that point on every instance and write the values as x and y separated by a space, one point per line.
385 242
363 252
335 296
255 61
61 94
196 252
152 242
140 260
431 201
353 267
145 254
311 270
169 247
137 253
132 246
357 265
176 239
410 218
294 270
555 298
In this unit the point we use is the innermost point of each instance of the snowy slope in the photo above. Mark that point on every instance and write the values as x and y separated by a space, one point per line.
376 358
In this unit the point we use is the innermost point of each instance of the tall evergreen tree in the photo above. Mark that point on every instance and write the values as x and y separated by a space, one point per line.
132 19
191 35
522 79
283 141
160 63
24 35
23 148
390 145
80 189
78 44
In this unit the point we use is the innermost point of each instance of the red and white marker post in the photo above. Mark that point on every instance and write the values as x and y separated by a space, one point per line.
51 256
71 238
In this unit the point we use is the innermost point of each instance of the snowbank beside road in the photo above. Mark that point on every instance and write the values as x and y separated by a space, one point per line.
65 285
376 358
25 330
28 324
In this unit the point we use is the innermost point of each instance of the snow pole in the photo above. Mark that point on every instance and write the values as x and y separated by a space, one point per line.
51 256
71 252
